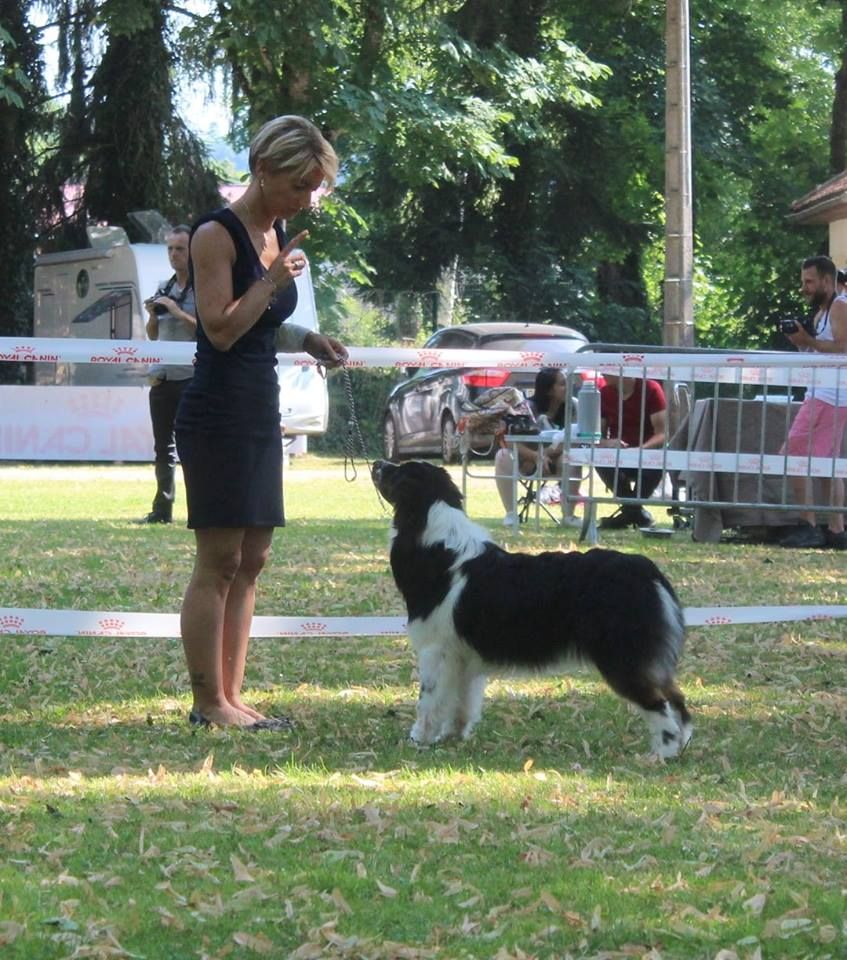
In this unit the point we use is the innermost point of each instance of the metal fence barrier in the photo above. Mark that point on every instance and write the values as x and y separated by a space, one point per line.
723 466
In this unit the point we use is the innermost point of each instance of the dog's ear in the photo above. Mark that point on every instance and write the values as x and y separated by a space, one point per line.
447 489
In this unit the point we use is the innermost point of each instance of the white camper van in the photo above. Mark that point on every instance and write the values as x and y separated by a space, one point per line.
98 293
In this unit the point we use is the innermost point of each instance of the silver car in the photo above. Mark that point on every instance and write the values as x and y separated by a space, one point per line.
423 410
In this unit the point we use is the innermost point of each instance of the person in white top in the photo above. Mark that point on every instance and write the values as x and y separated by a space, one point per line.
818 428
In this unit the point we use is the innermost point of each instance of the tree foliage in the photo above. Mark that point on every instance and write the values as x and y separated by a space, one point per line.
120 137
507 151
21 89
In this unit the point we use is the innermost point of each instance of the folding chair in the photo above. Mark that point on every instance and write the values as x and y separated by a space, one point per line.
531 493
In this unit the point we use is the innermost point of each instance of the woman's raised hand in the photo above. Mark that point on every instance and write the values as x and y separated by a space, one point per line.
290 262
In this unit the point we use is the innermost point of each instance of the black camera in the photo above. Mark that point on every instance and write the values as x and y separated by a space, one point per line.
157 308
792 326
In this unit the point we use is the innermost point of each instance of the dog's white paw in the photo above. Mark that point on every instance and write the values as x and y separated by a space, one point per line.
670 743
421 736
669 736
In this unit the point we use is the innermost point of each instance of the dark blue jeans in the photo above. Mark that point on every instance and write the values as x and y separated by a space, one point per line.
626 482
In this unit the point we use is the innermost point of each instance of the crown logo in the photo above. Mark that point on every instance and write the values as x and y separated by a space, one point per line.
716 620
25 350
110 623
531 358
11 624
427 357
633 358
313 626
124 351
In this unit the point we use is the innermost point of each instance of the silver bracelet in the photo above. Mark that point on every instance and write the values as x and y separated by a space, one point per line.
274 287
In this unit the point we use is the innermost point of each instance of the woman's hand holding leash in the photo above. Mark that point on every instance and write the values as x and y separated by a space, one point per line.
328 351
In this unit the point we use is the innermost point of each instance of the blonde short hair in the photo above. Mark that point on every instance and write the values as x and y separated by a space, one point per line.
293 144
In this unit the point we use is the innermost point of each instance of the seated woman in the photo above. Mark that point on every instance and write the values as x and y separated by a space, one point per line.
548 407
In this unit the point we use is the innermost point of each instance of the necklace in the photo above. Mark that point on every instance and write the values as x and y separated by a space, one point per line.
258 236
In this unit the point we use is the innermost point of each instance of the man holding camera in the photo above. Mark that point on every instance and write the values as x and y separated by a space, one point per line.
171 315
818 428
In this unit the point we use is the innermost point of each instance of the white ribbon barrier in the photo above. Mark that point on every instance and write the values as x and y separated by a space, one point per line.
752 367
705 461
94 623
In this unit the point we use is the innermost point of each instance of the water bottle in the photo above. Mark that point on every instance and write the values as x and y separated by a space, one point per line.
588 412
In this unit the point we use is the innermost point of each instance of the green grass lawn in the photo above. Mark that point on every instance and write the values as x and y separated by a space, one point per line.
123 833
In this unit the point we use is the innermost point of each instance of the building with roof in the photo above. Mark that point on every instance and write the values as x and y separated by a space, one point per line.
826 204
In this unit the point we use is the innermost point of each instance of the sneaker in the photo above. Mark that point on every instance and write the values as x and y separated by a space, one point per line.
550 495
510 520
835 541
804 535
642 517
571 521
154 517
618 520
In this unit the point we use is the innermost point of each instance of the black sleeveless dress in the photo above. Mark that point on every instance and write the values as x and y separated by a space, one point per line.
227 426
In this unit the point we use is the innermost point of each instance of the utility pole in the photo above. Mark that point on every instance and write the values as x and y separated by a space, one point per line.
678 325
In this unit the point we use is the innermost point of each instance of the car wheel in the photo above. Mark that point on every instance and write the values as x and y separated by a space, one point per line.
449 439
389 439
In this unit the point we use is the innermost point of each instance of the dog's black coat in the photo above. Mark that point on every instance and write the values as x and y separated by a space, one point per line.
466 596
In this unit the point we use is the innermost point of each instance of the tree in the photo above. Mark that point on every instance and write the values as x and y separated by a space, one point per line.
21 89
120 136
428 112
838 126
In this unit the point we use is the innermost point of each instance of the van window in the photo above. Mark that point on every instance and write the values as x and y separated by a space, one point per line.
118 305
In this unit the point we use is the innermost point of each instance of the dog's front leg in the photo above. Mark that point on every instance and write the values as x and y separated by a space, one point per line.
429 724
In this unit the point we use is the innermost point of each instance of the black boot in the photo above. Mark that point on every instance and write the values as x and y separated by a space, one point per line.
163 502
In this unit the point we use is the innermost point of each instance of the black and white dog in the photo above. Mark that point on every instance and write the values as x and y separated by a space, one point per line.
474 608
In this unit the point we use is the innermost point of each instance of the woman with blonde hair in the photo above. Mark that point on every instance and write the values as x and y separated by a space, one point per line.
244 268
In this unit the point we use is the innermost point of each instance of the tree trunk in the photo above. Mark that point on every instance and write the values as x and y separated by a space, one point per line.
838 129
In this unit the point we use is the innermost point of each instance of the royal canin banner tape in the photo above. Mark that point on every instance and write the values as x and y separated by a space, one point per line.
750 367
120 623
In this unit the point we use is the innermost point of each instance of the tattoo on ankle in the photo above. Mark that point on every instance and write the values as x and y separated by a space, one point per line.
198 679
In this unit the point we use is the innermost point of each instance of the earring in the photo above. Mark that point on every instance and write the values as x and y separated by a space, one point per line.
262 183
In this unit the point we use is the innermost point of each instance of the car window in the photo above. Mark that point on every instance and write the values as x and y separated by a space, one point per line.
529 343
451 340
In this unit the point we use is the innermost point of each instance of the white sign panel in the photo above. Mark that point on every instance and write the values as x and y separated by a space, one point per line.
75 423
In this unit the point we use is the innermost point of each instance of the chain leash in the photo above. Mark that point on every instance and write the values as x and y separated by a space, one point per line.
353 438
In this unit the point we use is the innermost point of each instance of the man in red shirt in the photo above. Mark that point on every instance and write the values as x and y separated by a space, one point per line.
633 414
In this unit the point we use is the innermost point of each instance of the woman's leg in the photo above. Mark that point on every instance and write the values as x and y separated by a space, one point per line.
504 470
238 614
216 567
